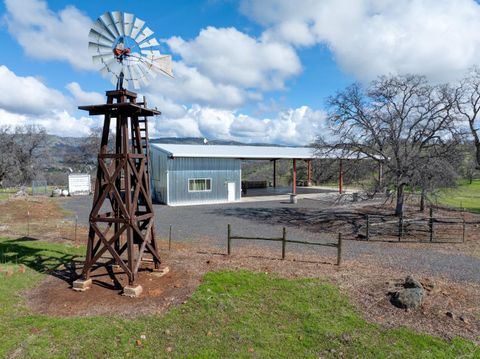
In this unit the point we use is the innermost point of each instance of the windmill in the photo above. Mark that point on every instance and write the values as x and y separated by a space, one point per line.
121 221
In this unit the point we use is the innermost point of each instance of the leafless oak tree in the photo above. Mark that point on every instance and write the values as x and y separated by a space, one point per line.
402 122
467 106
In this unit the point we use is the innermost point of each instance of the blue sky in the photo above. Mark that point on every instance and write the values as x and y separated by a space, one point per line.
253 71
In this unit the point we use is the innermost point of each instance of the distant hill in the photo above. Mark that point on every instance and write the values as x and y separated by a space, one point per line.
199 141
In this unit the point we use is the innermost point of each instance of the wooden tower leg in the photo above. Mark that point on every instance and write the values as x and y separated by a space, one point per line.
123 182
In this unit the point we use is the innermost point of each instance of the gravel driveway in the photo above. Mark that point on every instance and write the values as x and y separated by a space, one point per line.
208 224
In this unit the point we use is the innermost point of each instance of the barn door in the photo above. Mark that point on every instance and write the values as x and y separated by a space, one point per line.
231 192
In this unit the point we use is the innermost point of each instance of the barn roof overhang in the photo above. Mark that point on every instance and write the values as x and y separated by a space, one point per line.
246 152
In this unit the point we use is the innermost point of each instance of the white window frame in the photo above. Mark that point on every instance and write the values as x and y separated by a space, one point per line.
197 179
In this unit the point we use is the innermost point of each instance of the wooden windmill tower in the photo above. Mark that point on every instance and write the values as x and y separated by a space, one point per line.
122 215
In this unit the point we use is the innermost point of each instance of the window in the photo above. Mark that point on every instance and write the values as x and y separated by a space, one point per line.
199 185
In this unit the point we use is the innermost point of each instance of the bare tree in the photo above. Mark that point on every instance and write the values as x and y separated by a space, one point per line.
86 157
400 121
7 161
29 151
467 105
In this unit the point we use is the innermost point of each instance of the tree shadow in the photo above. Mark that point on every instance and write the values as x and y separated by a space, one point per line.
43 260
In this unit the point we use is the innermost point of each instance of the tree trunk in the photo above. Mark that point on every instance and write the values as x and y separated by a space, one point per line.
422 200
400 198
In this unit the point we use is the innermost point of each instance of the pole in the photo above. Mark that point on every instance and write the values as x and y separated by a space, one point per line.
463 230
400 227
28 223
340 178
309 172
229 238
367 232
274 173
339 249
170 237
430 224
284 242
294 177
76 225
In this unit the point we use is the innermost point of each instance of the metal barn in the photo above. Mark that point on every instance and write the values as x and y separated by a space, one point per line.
201 174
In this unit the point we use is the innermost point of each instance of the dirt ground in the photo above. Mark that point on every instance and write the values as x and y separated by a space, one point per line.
365 279
367 286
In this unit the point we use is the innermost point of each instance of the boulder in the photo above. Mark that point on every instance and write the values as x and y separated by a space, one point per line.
411 282
411 296
408 298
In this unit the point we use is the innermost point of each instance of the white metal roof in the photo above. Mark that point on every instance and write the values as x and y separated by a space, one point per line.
242 152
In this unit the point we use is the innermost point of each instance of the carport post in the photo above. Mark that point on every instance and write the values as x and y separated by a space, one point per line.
309 172
274 173
340 178
294 177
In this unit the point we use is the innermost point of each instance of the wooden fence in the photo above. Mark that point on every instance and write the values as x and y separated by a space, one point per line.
284 241
430 229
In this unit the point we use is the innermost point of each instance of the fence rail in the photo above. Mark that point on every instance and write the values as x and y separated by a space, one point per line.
426 229
284 241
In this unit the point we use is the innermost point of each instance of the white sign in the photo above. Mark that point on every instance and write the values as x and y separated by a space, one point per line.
79 184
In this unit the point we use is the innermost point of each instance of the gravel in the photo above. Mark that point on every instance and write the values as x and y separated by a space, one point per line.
208 224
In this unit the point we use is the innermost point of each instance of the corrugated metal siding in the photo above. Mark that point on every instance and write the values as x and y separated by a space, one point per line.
220 170
158 177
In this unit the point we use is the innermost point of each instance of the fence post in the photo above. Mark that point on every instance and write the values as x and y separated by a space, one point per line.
28 223
463 231
430 224
284 242
170 237
229 235
400 227
339 249
75 232
367 232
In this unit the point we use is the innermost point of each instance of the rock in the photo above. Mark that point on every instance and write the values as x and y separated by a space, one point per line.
169 349
450 315
143 336
411 282
408 298
463 319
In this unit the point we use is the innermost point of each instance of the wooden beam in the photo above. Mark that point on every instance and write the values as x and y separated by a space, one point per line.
309 172
274 173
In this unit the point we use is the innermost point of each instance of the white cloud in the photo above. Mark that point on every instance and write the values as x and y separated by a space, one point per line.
28 95
84 97
58 123
438 38
191 86
26 100
47 35
291 127
229 56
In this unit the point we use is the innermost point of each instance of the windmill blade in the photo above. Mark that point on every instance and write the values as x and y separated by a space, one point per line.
127 23
151 53
150 43
146 32
101 28
107 20
95 36
103 58
118 21
137 26
96 48
99 39
136 76
114 79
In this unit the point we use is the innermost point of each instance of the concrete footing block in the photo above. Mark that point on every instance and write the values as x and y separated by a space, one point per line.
132 291
160 272
81 285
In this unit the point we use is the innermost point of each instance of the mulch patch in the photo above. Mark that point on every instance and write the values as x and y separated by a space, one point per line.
367 286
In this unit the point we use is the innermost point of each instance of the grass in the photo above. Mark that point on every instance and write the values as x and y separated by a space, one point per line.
231 314
466 195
